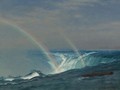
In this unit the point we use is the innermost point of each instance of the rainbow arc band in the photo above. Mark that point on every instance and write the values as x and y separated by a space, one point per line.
52 62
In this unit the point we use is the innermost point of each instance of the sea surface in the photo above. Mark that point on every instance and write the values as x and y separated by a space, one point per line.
75 70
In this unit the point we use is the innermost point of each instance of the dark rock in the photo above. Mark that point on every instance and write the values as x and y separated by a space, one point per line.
93 74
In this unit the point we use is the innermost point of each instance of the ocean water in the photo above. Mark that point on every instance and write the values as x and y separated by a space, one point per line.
70 72
68 60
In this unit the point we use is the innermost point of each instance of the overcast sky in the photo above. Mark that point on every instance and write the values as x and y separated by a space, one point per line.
88 24
56 24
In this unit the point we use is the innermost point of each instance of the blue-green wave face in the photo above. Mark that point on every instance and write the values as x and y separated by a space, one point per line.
19 53
71 60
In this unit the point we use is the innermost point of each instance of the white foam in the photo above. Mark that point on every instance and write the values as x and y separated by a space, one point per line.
9 79
35 74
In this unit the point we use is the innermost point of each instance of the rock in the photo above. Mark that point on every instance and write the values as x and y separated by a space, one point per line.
93 74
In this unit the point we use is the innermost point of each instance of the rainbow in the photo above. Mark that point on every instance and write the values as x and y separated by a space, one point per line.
52 62
72 46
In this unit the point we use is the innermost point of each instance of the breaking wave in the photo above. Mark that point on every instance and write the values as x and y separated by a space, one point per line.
71 60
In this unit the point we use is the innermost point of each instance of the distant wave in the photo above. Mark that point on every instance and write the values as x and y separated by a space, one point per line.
14 80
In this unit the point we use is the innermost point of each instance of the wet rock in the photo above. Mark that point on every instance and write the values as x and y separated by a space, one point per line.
93 74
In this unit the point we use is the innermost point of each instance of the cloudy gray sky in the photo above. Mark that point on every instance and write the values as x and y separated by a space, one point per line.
88 24
27 26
